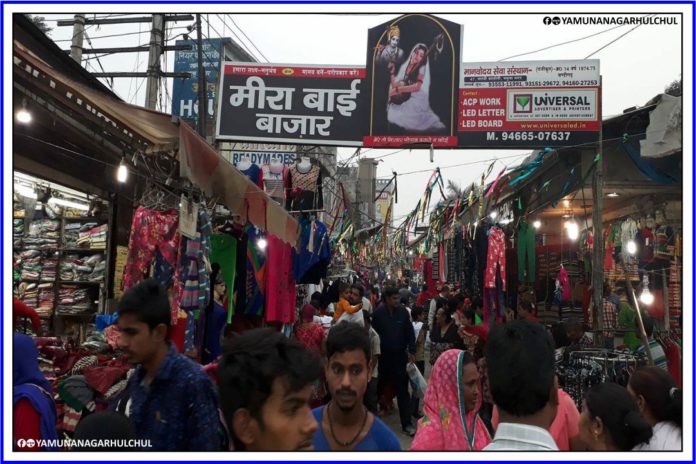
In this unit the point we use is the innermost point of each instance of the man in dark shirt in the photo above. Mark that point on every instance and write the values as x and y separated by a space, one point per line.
398 346
169 398
266 382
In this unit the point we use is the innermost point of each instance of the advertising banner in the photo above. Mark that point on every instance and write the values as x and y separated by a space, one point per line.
412 78
258 153
529 104
185 91
281 103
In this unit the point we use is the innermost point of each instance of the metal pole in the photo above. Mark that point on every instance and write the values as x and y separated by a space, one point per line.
78 38
202 91
153 62
598 249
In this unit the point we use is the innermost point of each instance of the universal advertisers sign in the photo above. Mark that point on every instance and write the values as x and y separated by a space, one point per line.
282 103
529 104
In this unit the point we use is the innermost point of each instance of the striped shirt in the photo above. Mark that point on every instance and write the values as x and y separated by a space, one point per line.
658 353
521 437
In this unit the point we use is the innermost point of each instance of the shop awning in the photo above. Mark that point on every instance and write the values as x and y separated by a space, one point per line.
220 180
146 129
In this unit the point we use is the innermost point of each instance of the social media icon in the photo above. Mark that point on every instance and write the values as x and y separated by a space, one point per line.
547 20
31 443
556 20
21 443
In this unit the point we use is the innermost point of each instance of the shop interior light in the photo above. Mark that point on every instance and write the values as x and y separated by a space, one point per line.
573 230
612 195
68 204
261 243
566 203
410 252
23 115
494 214
631 247
537 224
25 191
646 297
122 172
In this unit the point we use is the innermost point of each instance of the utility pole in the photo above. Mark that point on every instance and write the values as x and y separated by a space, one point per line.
78 38
153 62
202 90
598 241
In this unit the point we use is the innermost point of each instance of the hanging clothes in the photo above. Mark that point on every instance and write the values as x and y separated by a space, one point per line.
280 283
526 248
274 181
151 231
255 174
312 257
255 274
565 284
224 252
304 189
496 257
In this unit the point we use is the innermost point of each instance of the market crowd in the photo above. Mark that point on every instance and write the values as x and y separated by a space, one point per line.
326 386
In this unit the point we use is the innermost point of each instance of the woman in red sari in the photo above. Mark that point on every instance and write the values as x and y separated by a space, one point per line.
311 335
452 402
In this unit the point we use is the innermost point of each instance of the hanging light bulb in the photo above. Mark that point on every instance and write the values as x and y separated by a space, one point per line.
573 230
410 252
122 172
261 243
631 247
23 115
537 224
646 297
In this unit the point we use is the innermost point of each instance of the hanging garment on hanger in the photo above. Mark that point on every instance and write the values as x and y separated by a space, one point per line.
151 231
280 282
309 267
255 281
565 283
255 174
274 182
224 252
304 189
526 248
496 258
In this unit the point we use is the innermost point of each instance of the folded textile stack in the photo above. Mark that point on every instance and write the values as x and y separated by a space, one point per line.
45 228
18 227
49 265
87 269
36 243
92 236
70 234
45 304
74 300
28 293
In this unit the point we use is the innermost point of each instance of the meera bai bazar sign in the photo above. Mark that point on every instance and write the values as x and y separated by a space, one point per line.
529 104
281 103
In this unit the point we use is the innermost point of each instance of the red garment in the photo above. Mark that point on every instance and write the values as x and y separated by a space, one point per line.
496 256
151 231
27 424
311 336
19 309
280 283
103 378
565 283
421 299
674 359
428 274
177 334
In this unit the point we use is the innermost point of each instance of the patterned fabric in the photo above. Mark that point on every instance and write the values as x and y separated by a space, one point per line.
151 231
657 352
255 275
609 317
520 437
305 181
446 425
496 256
274 184
311 336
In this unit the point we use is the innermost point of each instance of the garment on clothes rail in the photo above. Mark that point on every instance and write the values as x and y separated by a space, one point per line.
255 281
312 257
280 282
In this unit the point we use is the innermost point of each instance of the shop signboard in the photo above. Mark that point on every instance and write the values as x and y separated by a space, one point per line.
412 78
259 153
281 103
528 104
185 91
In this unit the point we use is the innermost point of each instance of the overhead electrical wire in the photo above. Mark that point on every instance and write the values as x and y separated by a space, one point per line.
613 41
239 40
247 37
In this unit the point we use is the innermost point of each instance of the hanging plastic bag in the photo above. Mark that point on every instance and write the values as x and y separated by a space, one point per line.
417 380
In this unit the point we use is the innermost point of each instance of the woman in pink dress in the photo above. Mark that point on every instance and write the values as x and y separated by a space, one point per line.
452 402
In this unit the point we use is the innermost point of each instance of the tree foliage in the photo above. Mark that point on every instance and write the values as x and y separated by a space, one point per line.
40 22
675 88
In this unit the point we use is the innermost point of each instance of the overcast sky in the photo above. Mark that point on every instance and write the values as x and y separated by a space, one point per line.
634 69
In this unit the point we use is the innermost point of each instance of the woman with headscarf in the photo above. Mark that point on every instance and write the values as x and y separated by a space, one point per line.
452 402
311 335
34 411
409 95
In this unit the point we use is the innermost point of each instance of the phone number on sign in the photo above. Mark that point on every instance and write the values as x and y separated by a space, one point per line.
540 136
